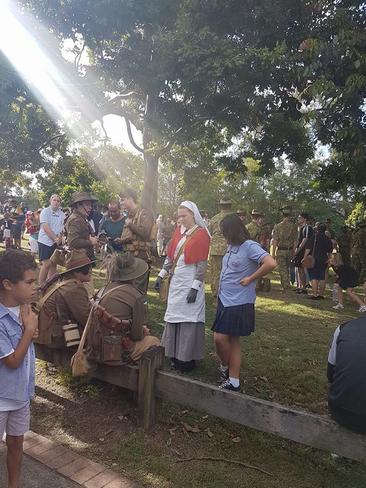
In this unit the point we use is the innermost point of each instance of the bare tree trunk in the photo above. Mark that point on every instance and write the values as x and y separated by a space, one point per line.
150 191
151 167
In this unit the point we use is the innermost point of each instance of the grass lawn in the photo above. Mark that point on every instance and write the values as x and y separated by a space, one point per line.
284 361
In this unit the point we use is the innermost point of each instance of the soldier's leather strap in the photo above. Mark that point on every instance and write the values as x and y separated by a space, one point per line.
50 292
180 252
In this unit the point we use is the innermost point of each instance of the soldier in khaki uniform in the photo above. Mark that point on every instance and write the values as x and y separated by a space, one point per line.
284 237
123 302
79 234
136 235
66 300
255 226
218 244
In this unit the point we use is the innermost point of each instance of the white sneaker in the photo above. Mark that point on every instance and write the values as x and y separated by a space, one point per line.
362 308
339 306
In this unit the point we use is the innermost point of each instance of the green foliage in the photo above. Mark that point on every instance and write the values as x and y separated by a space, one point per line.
286 184
29 139
282 76
31 197
12 183
68 174
358 215
103 172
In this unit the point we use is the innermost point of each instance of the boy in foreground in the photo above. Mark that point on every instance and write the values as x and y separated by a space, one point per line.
18 326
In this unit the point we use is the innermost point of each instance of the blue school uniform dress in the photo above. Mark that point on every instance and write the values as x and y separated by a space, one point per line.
235 307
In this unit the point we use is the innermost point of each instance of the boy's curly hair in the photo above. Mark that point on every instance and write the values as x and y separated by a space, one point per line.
13 264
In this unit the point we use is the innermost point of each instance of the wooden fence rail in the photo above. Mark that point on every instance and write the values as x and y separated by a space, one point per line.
296 425
152 384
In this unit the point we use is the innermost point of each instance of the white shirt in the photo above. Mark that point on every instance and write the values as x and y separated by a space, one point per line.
55 220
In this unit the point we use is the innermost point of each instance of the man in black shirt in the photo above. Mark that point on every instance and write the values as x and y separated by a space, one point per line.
305 232
346 374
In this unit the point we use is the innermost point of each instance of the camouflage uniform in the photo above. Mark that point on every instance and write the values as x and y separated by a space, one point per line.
255 230
257 233
217 251
284 240
359 252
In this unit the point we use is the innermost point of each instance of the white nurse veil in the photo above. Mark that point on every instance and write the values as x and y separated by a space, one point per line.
196 213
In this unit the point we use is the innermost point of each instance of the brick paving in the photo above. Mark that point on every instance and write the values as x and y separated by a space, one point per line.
60 463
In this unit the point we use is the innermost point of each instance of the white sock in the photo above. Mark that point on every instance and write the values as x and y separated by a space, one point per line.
223 368
234 381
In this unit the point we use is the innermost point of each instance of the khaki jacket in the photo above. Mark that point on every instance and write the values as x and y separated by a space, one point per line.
121 305
69 302
78 231
136 237
116 347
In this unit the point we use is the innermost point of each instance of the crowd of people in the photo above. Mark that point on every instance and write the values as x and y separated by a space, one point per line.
292 243
110 325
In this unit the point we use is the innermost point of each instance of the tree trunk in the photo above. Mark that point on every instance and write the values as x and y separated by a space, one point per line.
150 191
151 167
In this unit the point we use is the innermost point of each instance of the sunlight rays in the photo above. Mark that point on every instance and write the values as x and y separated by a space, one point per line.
36 56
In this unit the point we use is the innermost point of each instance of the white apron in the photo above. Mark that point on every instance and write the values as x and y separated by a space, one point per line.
178 310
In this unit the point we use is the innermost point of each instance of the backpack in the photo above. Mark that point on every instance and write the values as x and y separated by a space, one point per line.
47 322
107 341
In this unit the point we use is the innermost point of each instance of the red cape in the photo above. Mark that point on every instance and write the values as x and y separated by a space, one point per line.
196 248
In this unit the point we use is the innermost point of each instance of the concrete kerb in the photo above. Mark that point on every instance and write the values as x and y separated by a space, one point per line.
47 463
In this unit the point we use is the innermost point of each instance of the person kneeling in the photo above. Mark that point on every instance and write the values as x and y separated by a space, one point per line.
346 375
118 333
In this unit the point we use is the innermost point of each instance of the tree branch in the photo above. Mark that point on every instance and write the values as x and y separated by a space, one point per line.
122 96
78 56
106 138
45 144
111 107
130 135
168 145
165 149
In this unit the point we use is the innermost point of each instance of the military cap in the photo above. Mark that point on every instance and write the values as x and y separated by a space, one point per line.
256 212
76 259
125 267
225 201
82 196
